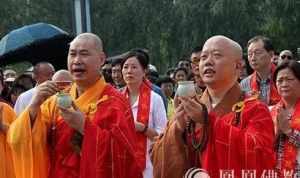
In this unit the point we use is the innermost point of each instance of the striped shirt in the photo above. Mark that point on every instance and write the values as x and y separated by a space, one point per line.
264 88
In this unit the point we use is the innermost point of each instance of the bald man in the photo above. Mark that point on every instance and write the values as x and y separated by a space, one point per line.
62 75
42 72
93 138
223 132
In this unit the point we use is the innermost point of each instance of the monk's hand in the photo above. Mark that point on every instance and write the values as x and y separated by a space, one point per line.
283 121
181 118
43 92
176 101
193 109
73 117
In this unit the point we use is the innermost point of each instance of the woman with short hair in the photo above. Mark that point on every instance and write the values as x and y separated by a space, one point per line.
286 116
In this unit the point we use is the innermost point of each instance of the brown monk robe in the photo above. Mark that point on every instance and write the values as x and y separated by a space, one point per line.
240 130
172 157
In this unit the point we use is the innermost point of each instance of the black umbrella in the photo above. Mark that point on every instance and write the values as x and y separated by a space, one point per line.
35 43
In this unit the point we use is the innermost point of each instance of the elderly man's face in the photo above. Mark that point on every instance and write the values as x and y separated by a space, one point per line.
259 58
218 66
84 61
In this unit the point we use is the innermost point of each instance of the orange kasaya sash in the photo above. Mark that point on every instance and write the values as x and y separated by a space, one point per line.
62 139
274 97
143 117
288 161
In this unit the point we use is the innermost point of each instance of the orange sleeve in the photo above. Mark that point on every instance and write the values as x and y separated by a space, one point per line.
6 164
29 145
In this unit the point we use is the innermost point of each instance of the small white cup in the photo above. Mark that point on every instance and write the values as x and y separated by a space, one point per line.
64 100
186 89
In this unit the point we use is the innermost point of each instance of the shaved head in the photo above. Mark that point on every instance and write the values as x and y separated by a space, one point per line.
234 48
62 75
41 66
43 71
90 37
220 62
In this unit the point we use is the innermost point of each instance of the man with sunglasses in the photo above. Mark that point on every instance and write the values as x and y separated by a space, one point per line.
285 55
260 82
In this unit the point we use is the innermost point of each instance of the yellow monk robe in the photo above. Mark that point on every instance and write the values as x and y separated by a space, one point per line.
29 145
6 164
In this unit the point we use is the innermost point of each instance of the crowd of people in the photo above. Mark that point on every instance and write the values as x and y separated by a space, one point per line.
124 120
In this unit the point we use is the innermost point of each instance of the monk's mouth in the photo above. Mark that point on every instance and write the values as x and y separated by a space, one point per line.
209 71
78 70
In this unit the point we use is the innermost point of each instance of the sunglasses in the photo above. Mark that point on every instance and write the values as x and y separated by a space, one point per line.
195 61
286 56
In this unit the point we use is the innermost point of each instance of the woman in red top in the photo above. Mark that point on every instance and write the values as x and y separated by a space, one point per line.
286 116
147 107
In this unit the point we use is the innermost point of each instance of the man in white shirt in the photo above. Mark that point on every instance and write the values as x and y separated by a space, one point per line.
42 71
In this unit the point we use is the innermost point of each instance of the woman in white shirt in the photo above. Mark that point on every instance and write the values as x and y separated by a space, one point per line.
147 106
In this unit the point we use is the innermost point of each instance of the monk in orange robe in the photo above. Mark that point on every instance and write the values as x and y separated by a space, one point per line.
223 132
6 164
91 137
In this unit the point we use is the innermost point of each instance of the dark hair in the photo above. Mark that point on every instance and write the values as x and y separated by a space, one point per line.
143 51
107 61
267 42
116 61
196 49
17 88
164 79
142 57
294 66
179 69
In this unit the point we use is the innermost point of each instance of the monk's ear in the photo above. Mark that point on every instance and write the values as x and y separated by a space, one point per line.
238 64
102 57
